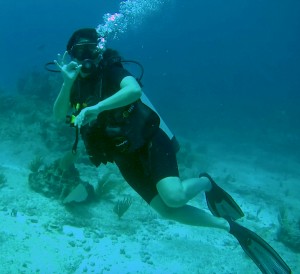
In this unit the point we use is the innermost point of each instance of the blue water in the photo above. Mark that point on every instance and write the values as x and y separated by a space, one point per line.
237 58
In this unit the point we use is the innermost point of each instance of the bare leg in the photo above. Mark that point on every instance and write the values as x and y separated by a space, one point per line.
194 186
173 195
176 193
187 214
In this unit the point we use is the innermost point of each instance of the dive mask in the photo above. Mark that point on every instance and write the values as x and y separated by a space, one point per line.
83 51
87 54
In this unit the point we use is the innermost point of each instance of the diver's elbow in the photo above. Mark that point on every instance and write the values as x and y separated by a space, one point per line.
137 91
132 87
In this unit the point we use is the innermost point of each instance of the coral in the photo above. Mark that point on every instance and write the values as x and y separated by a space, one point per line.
36 164
185 154
289 230
104 187
39 84
122 206
7 103
3 180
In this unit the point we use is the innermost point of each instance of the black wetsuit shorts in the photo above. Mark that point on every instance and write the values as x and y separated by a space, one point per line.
145 167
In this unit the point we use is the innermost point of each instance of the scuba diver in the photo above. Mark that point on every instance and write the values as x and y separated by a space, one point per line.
117 127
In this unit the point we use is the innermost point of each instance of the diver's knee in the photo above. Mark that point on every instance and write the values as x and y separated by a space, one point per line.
171 192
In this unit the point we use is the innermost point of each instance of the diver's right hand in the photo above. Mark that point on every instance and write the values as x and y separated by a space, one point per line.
69 70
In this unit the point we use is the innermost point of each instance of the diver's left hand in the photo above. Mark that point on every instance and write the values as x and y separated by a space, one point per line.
86 116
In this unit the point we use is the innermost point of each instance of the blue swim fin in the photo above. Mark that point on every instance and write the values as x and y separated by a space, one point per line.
261 253
220 203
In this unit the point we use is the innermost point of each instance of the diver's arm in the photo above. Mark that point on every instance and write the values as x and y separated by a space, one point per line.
69 72
62 102
129 92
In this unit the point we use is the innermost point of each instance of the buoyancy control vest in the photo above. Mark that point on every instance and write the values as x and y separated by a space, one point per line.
120 130
101 139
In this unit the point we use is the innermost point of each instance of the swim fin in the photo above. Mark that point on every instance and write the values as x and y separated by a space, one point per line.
261 253
220 203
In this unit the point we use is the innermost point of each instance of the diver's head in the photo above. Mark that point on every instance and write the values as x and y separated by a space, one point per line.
83 48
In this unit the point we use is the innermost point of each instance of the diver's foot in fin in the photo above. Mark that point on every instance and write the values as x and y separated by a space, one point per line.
261 253
220 203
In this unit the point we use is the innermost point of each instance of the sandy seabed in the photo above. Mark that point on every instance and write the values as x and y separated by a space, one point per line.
41 235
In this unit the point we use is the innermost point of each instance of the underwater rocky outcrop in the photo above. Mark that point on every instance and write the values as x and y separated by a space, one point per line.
3 180
289 230
53 180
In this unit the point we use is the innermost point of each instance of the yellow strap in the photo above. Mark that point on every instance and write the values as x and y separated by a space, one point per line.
73 117
79 107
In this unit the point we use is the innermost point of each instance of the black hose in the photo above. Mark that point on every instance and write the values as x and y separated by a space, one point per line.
48 67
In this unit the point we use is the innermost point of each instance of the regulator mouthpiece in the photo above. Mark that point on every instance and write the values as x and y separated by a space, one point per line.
88 66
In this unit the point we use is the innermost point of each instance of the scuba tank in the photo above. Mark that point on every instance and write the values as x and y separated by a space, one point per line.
163 125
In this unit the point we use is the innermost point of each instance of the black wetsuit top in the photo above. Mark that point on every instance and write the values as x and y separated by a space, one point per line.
90 90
